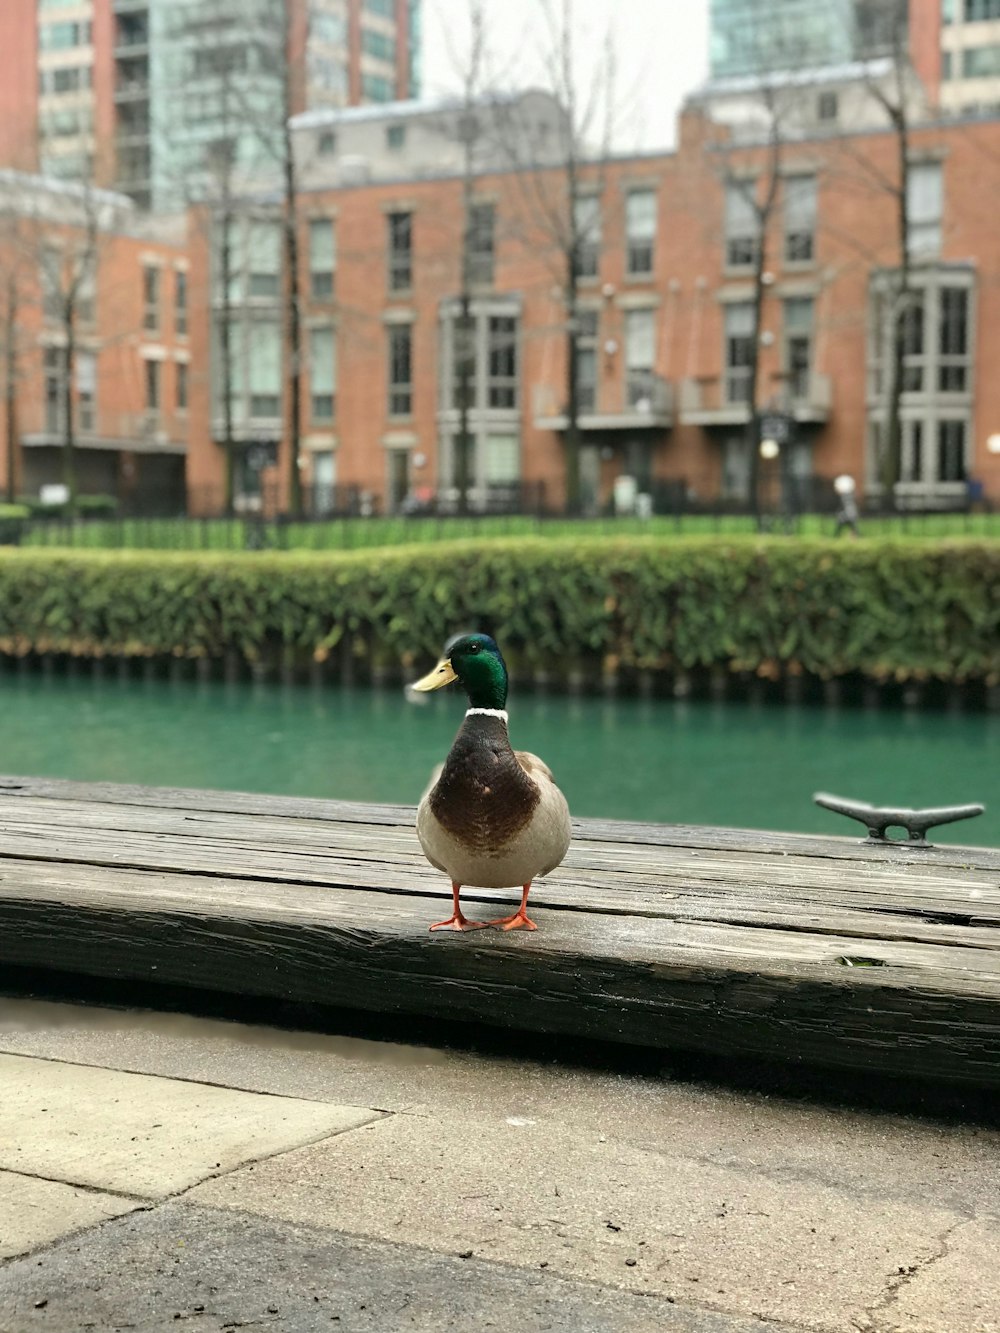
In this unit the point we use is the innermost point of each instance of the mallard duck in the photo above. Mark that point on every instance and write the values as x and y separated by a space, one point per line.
492 817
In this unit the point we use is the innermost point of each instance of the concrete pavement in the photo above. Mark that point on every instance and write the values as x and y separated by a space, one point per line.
156 1170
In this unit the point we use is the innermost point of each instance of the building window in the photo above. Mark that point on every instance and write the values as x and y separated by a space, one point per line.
152 386
800 219
384 8
739 351
323 373
947 66
953 340
395 138
951 451
913 344
588 329
379 44
400 370
980 11
640 355
587 223
502 362
501 462
326 145
828 108
377 88
181 386
925 205
742 225
324 481
400 251
322 258
86 389
264 370
981 62
55 362
640 227
482 226
264 261
798 323
181 303
151 298
64 36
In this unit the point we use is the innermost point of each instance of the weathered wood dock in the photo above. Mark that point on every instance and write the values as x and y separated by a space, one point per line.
748 944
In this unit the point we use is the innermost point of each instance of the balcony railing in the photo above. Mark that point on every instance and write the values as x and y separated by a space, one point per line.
641 400
724 400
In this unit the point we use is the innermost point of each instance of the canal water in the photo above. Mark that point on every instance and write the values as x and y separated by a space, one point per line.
672 762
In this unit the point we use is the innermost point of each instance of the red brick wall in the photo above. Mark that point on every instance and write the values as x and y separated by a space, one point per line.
19 85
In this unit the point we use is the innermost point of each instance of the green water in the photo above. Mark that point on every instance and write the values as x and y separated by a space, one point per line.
623 759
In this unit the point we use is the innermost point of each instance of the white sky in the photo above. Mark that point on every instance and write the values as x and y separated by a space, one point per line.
661 53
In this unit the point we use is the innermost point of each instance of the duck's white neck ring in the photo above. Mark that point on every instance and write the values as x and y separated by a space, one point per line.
501 713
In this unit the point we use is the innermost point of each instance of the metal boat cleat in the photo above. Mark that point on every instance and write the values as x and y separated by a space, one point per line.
878 818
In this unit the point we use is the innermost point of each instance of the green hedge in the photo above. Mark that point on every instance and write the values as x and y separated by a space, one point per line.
909 611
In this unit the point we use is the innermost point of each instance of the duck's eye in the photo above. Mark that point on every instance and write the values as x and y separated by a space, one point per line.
473 647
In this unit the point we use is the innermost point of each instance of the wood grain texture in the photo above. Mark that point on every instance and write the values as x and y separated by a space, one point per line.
716 940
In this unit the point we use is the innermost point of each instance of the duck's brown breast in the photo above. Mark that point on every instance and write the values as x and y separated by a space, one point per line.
483 798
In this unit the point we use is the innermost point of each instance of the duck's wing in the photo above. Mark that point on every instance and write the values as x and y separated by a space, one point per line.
533 766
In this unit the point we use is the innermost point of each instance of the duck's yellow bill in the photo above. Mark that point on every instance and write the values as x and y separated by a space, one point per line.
441 675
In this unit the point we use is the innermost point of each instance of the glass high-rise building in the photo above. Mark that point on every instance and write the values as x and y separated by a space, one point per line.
749 38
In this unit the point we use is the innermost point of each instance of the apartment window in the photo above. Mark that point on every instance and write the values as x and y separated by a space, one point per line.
640 226
151 298
51 276
951 443
640 355
86 290
322 258
925 201
739 351
981 62
502 362
86 389
947 66
798 323
180 303
464 340
327 144
395 138
800 219
828 108
54 369
913 344
378 44
742 225
482 226
181 386
384 8
152 386
588 329
324 479
70 80
328 28
64 36
377 88
322 373
264 369
501 461
400 251
979 11
264 260
400 370
953 340
587 222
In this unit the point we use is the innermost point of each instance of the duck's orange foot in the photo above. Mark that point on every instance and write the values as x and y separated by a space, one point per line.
516 922
459 922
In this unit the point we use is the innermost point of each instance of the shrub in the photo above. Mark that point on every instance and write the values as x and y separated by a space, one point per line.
887 610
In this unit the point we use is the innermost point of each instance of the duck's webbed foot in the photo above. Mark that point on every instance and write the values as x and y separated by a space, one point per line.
520 920
458 920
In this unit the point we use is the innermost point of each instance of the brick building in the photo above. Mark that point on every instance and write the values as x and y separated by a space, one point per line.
664 320
82 267
133 93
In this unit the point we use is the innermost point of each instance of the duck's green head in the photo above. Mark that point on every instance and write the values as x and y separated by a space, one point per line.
474 660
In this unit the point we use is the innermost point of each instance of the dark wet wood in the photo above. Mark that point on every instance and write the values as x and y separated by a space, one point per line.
718 940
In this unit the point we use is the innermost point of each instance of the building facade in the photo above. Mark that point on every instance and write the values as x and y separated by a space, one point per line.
666 256
970 47
94 330
138 94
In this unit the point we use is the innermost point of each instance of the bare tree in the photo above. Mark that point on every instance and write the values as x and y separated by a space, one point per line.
555 180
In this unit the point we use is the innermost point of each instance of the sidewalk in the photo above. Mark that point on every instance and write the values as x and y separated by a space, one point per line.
158 1171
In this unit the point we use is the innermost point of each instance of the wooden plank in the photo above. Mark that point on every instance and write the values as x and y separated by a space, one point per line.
611 978
619 832
715 940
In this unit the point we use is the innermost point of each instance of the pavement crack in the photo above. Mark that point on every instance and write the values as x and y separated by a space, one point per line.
85 1188
874 1318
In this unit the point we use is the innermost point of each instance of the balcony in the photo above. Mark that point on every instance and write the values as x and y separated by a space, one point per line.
643 402
723 400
